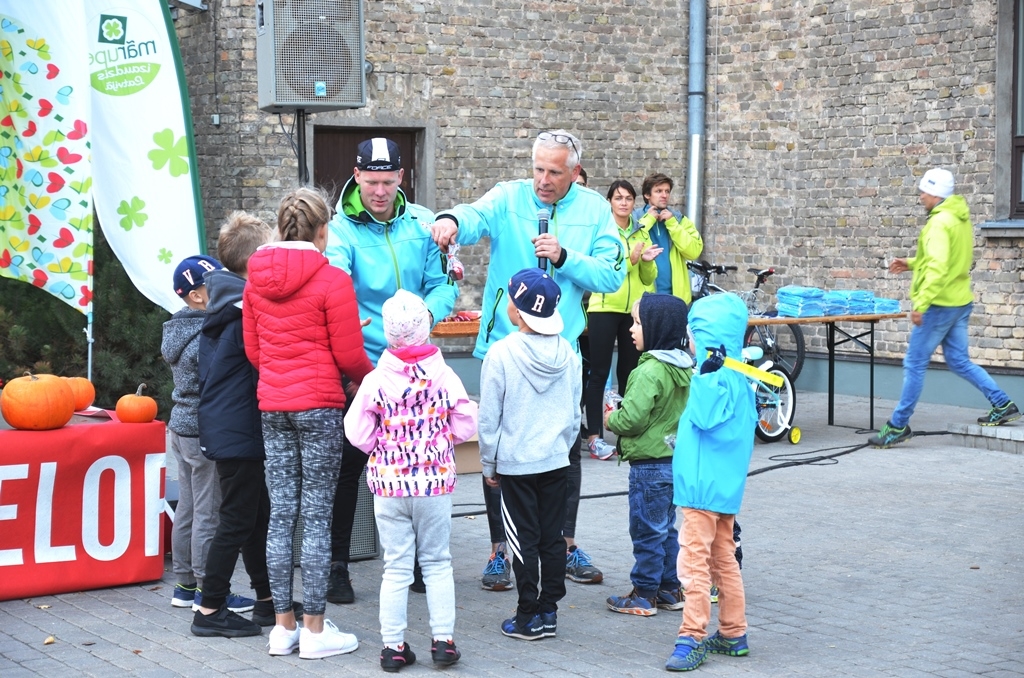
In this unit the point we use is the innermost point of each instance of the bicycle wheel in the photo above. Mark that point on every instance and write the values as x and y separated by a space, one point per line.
782 344
776 406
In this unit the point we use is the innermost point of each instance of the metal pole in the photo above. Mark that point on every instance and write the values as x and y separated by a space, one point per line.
696 111
871 396
300 142
830 340
89 342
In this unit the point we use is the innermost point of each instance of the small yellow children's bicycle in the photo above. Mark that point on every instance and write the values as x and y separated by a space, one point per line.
784 345
774 395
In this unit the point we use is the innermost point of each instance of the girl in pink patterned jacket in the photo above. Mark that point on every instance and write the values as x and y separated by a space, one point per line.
408 415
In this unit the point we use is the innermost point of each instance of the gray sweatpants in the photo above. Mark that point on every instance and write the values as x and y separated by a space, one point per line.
414 528
303 459
198 511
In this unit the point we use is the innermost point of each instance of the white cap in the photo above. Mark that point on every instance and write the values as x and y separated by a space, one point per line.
937 182
406 320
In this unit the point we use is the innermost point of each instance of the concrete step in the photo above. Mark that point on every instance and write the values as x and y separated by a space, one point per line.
1006 438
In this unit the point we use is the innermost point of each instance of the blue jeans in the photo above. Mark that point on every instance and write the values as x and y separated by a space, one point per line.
652 527
945 325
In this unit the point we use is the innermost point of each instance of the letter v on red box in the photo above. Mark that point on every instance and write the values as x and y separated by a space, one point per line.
80 508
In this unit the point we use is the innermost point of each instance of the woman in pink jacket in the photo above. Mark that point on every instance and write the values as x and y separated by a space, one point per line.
408 415
302 332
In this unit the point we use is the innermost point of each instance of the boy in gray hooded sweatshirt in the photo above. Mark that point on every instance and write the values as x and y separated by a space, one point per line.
530 389
195 516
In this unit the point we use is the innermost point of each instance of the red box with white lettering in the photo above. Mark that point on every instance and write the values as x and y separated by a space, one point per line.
80 508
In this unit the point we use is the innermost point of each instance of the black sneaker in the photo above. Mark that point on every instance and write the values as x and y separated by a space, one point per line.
1000 415
393 661
418 585
339 585
550 621
263 612
530 630
223 623
443 652
889 435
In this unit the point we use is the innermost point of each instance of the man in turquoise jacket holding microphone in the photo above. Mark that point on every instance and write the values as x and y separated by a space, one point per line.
569 231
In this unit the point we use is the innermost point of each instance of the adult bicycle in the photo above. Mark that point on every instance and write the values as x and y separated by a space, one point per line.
783 345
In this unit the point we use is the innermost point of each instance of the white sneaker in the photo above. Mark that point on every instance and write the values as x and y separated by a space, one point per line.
599 449
283 641
326 644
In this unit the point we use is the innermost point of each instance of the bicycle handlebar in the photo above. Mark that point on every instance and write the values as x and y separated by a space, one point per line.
706 268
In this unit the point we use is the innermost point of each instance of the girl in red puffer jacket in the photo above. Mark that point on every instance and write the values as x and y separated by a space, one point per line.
302 332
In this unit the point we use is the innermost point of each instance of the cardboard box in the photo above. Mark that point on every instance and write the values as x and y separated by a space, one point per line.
467 456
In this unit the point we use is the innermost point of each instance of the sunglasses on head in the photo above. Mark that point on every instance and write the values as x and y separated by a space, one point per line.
561 139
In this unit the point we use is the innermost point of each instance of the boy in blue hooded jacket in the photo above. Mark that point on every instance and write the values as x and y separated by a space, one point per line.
709 469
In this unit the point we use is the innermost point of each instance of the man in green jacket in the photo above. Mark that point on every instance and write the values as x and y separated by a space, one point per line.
941 299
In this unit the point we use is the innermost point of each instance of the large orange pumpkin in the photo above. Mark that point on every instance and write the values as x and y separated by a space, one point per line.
37 402
136 408
83 390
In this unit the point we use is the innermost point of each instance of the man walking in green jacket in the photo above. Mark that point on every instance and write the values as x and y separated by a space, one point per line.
941 299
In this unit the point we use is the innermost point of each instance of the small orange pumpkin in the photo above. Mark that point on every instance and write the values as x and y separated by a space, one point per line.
83 390
37 402
136 408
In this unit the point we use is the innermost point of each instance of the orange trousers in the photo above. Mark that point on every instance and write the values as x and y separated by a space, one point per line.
707 553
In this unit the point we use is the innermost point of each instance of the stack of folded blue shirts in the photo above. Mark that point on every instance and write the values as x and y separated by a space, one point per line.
836 302
800 302
862 302
887 305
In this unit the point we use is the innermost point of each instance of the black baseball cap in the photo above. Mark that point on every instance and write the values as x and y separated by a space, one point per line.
378 155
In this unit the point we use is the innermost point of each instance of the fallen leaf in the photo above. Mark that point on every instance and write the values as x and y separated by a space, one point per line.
156 588
137 651
43 607
88 643
50 640
975 567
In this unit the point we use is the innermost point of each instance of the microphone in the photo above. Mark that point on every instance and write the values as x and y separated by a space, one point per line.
542 227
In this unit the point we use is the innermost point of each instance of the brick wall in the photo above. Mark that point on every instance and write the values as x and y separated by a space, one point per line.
824 116
821 118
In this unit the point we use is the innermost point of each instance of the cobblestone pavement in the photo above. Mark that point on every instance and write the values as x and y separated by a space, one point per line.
903 562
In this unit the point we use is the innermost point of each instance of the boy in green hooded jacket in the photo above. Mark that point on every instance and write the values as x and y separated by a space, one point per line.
656 394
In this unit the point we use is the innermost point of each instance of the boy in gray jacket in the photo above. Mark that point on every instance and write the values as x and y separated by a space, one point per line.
530 389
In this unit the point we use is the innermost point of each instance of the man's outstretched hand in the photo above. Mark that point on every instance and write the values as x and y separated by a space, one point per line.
443 232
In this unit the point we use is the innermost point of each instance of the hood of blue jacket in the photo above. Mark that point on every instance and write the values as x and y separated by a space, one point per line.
717 320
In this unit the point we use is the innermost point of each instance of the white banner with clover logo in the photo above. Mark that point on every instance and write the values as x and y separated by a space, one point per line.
145 181
94 113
